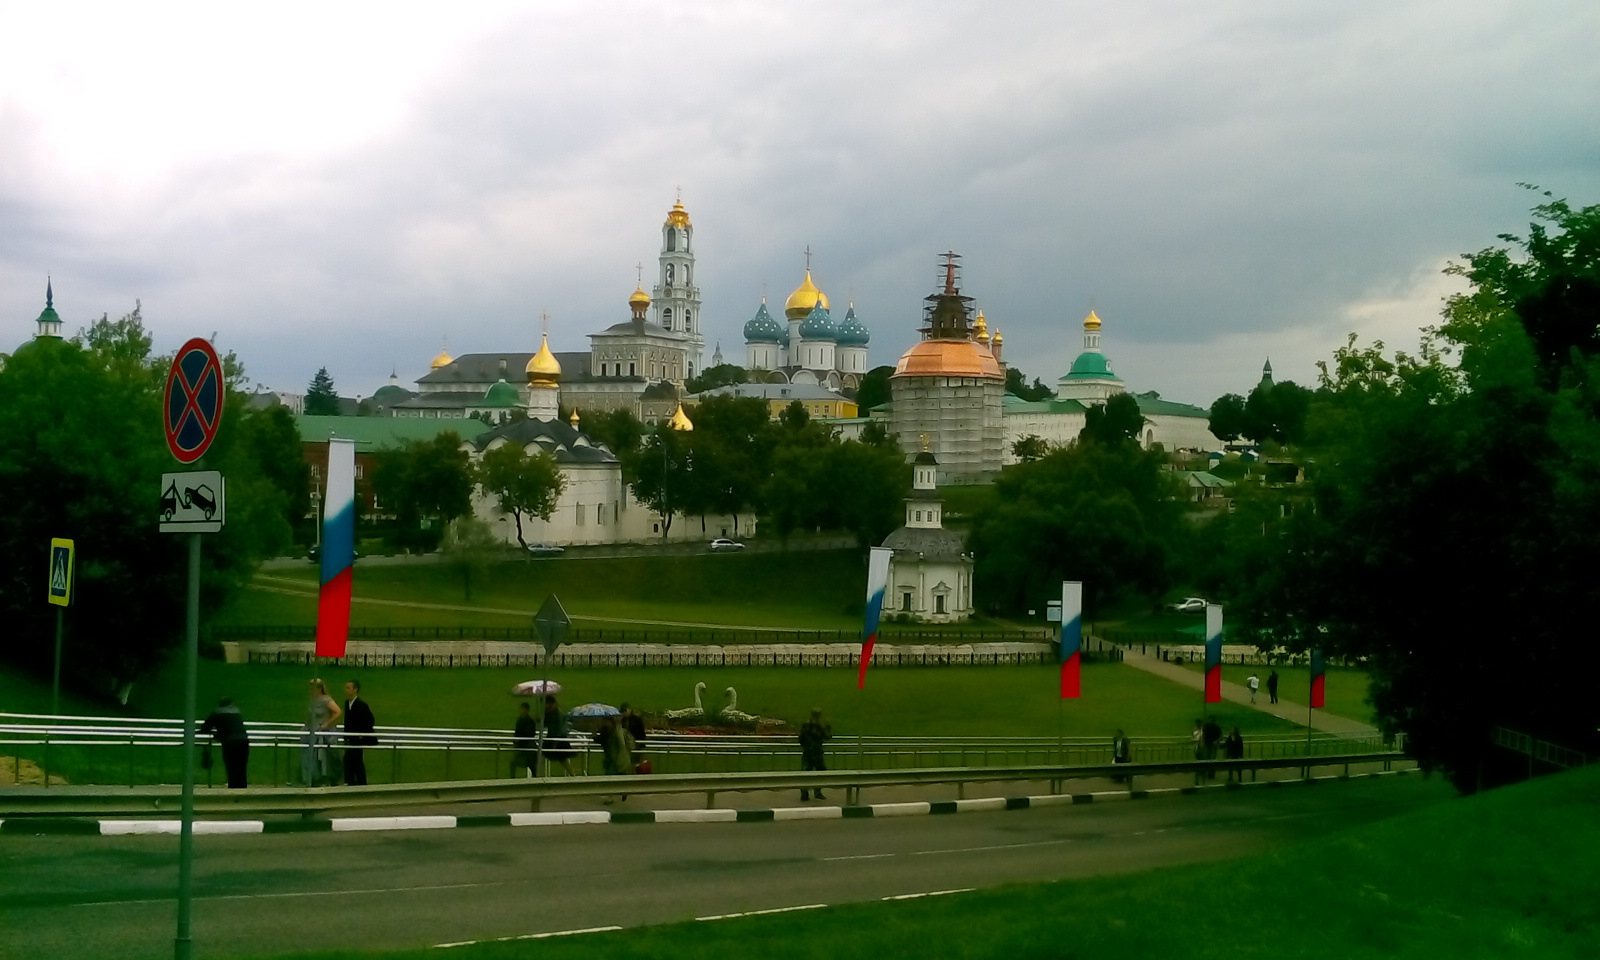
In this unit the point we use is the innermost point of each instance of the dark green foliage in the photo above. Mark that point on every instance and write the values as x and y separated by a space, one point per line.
321 398
1447 532
522 485
1227 421
874 389
1116 421
1030 448
81 457
1277 412
425 485
1108 515
720 375
1017 386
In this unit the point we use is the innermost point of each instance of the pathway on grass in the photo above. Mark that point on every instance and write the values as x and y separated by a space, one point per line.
1321 720
301 588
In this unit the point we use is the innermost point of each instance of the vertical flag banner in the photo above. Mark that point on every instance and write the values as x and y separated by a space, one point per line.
877 585
338 549
1318 679
1071 637
1213 653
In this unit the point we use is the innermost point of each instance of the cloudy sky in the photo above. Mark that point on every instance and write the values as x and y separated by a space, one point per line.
350 184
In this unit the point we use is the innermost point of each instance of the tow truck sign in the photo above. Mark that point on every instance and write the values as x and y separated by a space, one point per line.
192 502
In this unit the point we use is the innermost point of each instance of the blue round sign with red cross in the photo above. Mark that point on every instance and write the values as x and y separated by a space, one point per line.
193 401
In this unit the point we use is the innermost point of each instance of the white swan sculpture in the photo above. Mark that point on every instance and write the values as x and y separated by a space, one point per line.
695 712
730 709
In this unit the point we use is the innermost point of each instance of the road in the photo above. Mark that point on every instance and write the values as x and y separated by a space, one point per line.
112 897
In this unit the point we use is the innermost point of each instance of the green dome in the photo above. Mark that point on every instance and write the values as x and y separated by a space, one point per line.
502 394
1090 365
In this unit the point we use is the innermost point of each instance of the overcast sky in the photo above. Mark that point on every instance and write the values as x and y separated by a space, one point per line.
349 184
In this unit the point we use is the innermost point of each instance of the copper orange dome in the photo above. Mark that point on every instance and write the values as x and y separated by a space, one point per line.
949 358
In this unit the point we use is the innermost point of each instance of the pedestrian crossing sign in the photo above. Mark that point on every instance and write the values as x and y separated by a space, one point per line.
61 572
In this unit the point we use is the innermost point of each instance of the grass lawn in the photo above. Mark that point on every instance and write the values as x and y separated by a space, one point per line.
1407 888
1345 690
819 590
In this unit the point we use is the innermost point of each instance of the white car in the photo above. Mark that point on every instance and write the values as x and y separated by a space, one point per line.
542 549
723 543
1190 605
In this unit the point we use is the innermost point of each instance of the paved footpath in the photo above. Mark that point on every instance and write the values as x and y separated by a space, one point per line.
1321 720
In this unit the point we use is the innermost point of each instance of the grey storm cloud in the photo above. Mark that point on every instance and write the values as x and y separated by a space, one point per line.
1218 182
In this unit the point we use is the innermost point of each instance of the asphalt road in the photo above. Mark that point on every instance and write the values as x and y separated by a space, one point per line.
113 897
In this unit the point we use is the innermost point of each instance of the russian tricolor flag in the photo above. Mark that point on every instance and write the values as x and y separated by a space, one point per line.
1318 680
1213 653
338 549
877 586
1071 637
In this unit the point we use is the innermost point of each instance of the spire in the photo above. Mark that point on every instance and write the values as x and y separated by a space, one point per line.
49 293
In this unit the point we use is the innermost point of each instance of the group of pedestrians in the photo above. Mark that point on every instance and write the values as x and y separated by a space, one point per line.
618 738
225 725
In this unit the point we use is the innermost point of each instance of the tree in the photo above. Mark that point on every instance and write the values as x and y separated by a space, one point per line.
1108 515
874 389
1017 386
1030 448
720 375
521 484
81 457
1113 422
321 399
1277 412
876 434
662 474
426 484
620 431
1448 535
472 548
1227 421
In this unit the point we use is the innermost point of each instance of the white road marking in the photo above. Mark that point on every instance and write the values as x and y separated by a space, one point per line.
1002 846
762 913
861 856
526 936
930 893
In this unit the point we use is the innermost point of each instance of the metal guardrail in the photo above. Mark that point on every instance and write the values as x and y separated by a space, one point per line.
310 801
1542 751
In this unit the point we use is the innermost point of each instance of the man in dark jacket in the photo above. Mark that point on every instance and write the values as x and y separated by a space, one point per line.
226 724
524 743
358 727
813 734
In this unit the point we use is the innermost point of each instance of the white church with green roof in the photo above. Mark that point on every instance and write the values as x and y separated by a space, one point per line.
1175 426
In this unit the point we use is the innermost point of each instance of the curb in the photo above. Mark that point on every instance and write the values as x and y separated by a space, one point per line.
38 826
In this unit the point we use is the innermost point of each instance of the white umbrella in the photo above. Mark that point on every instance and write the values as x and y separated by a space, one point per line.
535 688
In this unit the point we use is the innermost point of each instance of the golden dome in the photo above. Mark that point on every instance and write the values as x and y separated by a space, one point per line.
678 216
574 418
680 420
804 299
1091 322
442 360
639 296
543 368
980 328
948 358
999 337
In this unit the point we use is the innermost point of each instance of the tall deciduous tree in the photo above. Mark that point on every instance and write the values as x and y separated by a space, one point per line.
522 485
1113 422
425 484
874 389
1227 421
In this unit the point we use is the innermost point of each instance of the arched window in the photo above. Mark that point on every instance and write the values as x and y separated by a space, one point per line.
669 274
672 241
666 315
688 316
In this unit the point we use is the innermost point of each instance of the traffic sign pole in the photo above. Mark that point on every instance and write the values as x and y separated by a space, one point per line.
183 946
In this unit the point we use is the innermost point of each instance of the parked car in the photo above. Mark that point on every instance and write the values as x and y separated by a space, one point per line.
543 549
723 543
1190 605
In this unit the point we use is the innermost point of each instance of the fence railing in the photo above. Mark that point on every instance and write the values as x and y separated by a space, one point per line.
579 633
682 658
130 753
160 800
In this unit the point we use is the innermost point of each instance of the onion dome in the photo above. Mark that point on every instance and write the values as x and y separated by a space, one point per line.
818 324
804 299
999 337
501 394
1091 322
543 368
678 216
761 328
442 360
1091 363
639 296
574 418
948 358
851 331
980 328
680 420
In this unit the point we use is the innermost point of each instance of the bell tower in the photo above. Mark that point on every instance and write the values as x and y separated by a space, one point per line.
676 299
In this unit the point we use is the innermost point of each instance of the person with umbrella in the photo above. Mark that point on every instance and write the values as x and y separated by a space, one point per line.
556 746
525 741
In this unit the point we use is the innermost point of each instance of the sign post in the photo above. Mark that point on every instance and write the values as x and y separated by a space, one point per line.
61 570
191 503
551 623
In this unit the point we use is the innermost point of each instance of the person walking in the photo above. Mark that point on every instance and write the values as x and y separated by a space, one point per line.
634 724
358 727
1120 752
1255 684
557 746
322 715
813 734
616 750
524 742
1272 687
226 725
1211 739
1233 749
